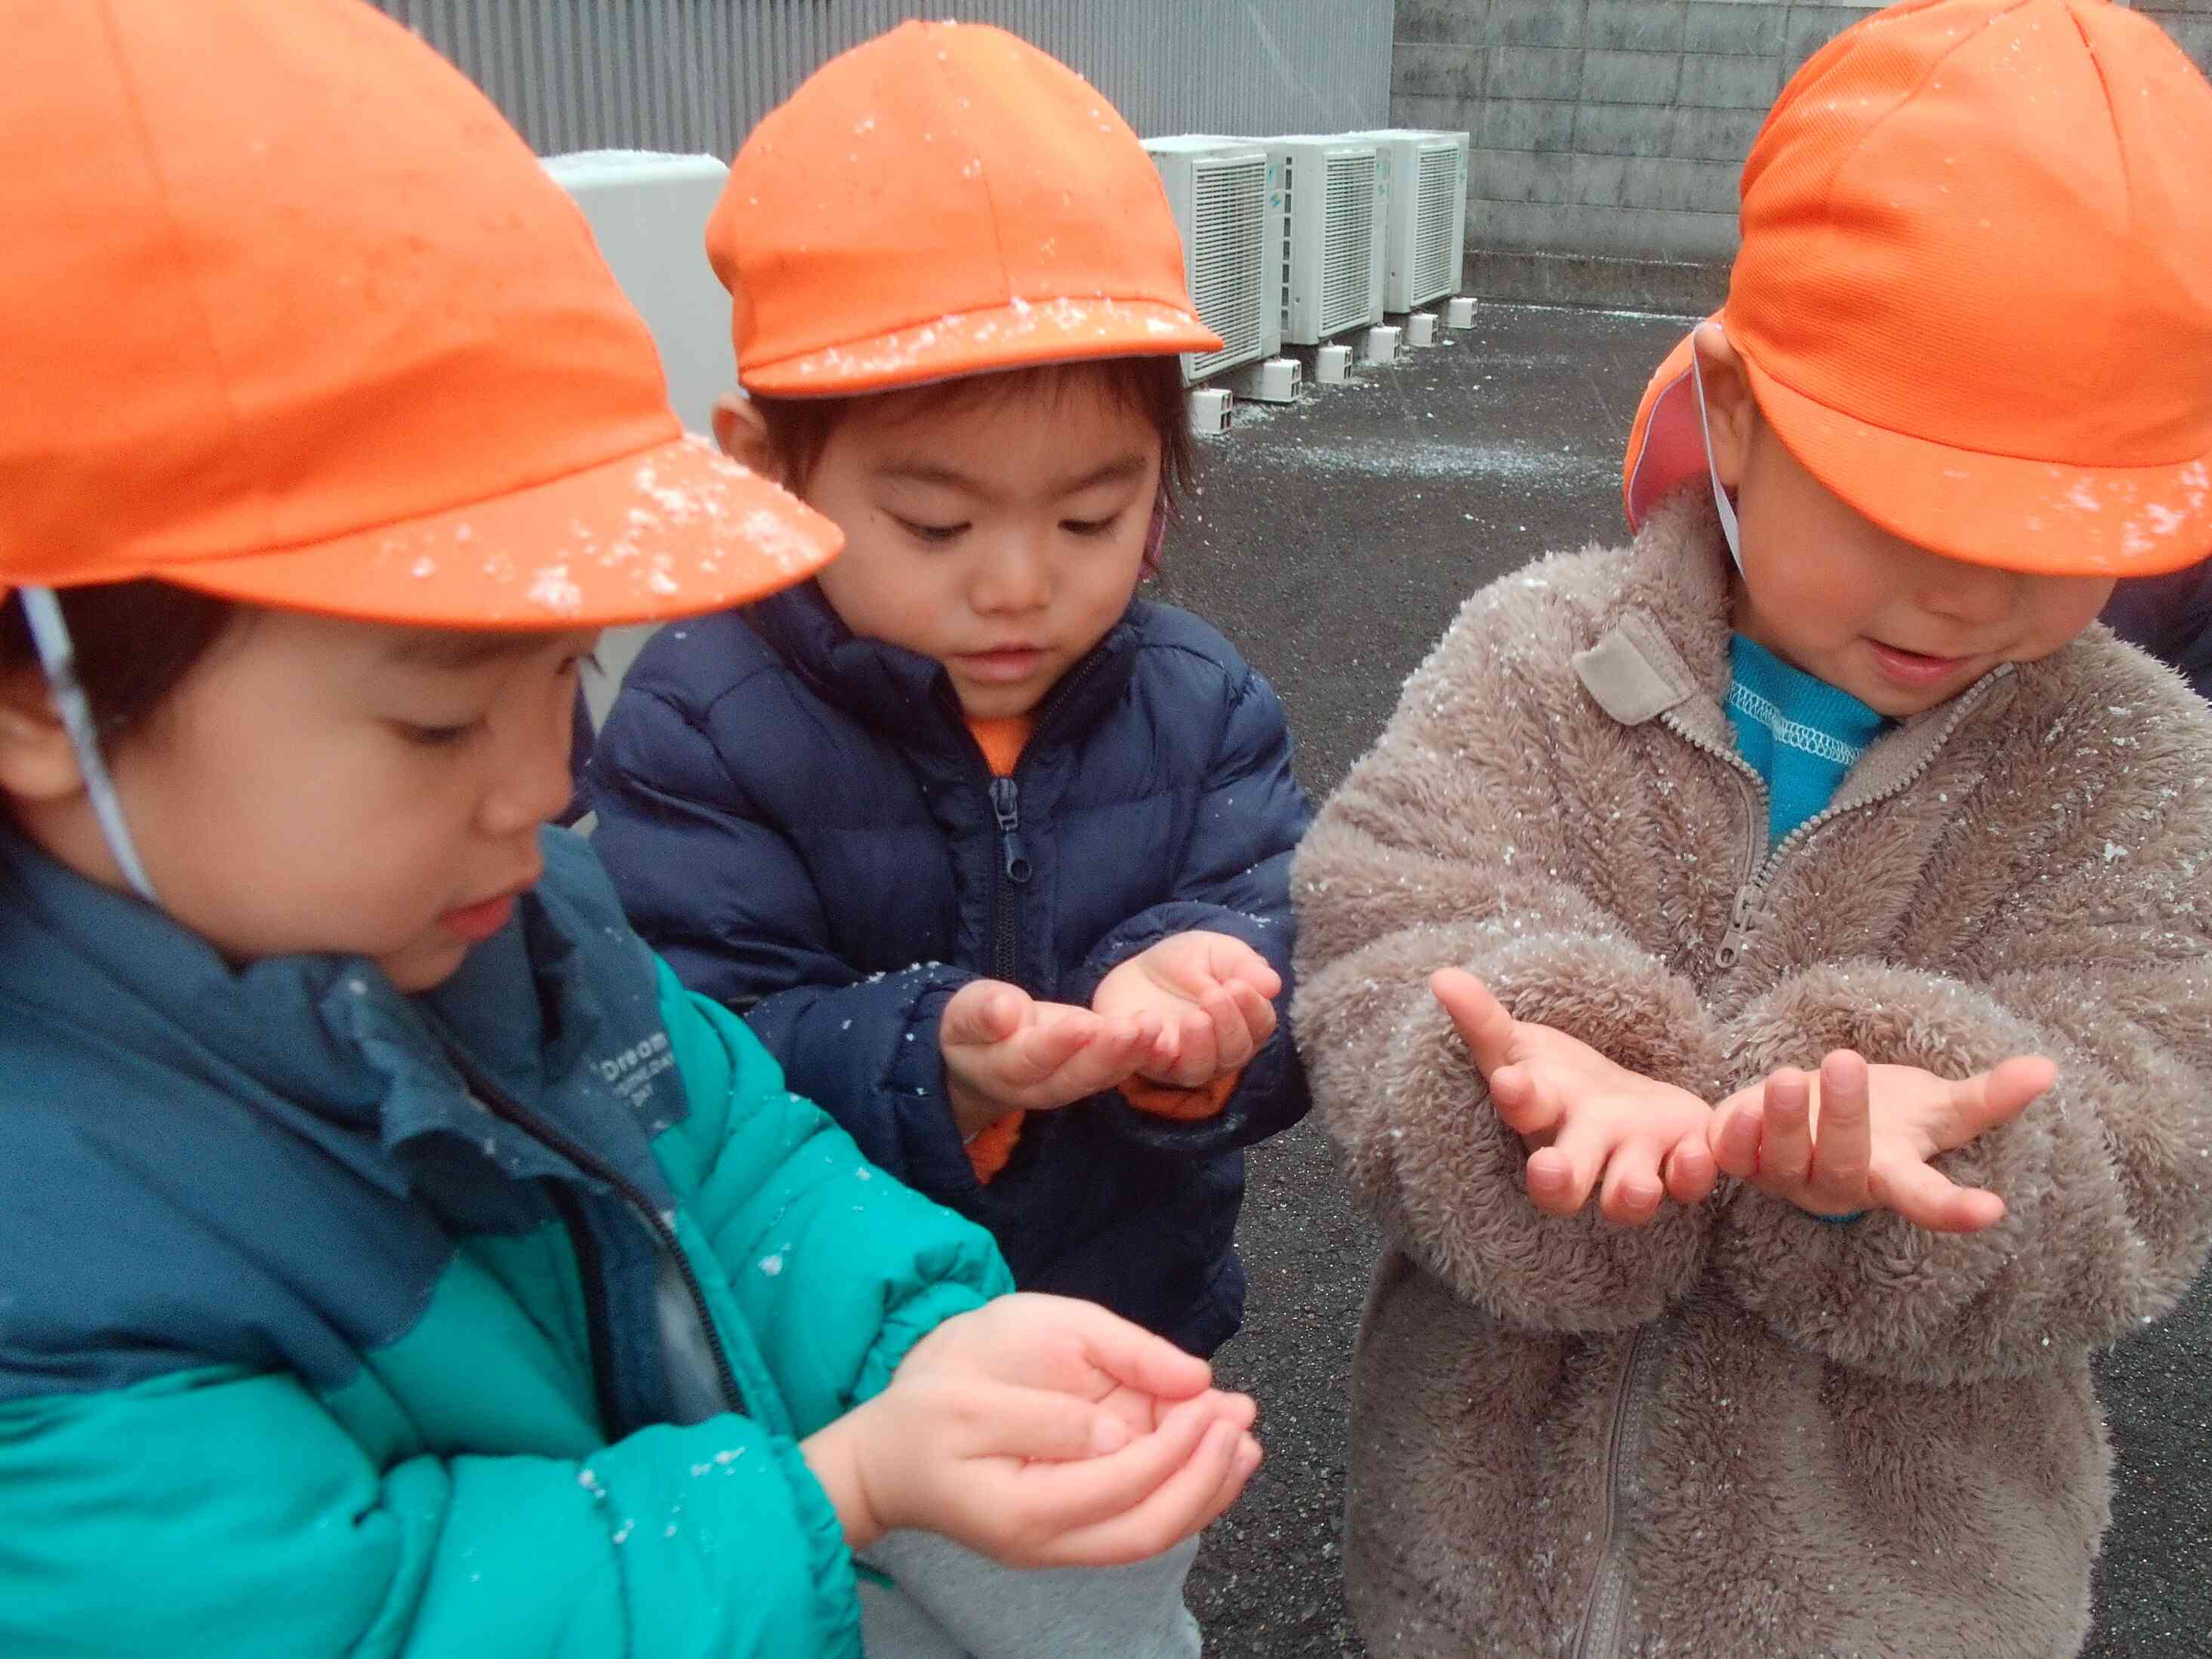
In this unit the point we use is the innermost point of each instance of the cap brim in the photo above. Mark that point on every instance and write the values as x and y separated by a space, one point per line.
673 531
1665 443
1019 335
2002 510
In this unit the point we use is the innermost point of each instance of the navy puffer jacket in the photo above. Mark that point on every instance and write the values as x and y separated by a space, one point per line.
2170 617
800 822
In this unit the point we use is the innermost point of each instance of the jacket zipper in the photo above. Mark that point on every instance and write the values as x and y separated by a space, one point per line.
1604 1622
502 1105
1749 903
1011 873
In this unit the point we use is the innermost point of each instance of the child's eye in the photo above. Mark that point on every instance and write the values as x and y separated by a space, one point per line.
1088 527
934 534
582 661
438 736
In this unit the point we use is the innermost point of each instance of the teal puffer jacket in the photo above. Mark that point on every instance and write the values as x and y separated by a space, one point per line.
483 1322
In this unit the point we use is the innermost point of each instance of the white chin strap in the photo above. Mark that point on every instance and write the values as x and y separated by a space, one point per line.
58 654
1713 467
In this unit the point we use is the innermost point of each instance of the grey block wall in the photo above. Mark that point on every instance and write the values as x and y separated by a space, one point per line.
1608 135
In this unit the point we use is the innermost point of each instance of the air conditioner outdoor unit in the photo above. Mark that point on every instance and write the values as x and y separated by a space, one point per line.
1228 205
1334 246
648 212
1423 186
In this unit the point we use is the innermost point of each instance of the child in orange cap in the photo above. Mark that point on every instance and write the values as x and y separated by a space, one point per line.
1762 977
398 1260
993 855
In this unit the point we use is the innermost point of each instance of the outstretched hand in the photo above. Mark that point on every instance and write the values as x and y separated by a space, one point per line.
1213 996
1006 1052
1859 1137
1585 1118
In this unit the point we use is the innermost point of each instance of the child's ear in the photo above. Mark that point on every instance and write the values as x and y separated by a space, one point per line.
1731 411
38 765
744 435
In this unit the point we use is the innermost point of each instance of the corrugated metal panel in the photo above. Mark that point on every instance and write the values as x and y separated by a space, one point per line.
694 75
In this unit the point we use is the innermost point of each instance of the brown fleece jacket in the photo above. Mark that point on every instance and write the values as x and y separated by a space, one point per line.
1740 1433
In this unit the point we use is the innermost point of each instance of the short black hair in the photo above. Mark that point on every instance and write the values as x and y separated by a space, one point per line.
799 429
135 642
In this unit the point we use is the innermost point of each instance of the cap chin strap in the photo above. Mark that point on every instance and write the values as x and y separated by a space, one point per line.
58 654
1713 467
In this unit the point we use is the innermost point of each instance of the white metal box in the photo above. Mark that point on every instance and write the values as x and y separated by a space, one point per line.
1333 247
649 212
1228 206
1424 185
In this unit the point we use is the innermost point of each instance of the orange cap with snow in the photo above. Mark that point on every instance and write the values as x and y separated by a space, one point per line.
288 314
945 200
1974 297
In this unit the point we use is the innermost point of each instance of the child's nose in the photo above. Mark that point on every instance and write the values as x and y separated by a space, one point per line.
1015 576
533 781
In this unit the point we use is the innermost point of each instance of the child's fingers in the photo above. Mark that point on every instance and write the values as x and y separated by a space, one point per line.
1108 1058
1234 1042
1561 1174
1523 1104
1173 1508
1037 1052
1042 1425
1232 962
1786 1149
1927 1198
1241 1468
1631 1191
1997 1095
1691 1171
1735 1138
1254 1014
1484 1024
1128 1354
1055 1500
1844 1150
981 1012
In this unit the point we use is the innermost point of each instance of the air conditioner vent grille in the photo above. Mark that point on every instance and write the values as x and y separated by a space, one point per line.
1347 270
1229 260
1436 259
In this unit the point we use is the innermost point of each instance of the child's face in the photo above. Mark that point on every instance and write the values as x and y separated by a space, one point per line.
315 785
1002 535
1826 588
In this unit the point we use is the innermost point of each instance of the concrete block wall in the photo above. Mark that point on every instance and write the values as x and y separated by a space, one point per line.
1608 135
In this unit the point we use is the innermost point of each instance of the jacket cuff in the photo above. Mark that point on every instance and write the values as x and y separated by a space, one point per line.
937 1160
1193 1105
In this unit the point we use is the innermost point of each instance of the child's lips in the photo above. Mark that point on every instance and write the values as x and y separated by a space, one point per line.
1915 669
1002 665
479 921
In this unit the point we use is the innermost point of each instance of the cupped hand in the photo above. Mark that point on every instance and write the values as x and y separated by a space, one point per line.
1006 1052
1213 996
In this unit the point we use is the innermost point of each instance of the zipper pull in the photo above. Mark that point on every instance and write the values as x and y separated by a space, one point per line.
1743 916
1007 807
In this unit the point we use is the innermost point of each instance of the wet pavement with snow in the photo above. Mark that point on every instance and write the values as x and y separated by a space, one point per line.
1333 540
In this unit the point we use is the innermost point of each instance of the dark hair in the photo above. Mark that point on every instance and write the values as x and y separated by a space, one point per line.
799 429
135 642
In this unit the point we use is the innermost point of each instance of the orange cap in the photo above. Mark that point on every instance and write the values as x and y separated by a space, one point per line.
1975 290
290 315
945 200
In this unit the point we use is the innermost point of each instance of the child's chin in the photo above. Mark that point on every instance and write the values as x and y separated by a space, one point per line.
424 967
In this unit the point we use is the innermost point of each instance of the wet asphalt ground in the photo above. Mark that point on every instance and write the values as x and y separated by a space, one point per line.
1333 541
